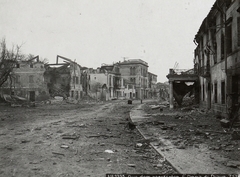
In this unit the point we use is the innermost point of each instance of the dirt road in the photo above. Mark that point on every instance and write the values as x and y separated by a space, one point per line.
74 140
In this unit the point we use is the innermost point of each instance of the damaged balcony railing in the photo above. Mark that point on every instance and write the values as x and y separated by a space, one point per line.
182 71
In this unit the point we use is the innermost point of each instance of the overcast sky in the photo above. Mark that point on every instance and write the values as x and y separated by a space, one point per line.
93 32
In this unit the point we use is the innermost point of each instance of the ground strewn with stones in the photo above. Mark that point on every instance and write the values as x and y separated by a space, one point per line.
194 128
83 139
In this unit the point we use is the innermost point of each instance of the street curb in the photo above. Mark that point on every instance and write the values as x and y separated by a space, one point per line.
130 115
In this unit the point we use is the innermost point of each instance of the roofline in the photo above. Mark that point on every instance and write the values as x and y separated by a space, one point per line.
152 74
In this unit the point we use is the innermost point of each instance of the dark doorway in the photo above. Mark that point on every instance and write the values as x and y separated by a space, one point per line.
32 95
235 87
209 96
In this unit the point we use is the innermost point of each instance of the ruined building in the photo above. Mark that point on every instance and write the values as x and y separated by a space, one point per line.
122 80
27 81
152 85
181 82
64 79
216 58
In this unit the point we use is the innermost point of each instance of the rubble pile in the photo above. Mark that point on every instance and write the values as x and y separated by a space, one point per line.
192 127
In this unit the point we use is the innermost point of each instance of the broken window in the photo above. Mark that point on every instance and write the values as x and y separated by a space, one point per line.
73 80
223 92
228 3
215 92
238 30
229 39
215 50
222 46
31 65
203 90
76 95
18 65
133 70
31 79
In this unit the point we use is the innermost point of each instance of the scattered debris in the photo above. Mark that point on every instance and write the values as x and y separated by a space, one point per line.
181 146
109 151
158 123
69 136
38 128
131 165
58 153
25 141
76 125
234 164
129 101
155 107
236 135
107 136
164 127
64 146
158 165
225 123
130 126
216 131
139 145
34 162
59 131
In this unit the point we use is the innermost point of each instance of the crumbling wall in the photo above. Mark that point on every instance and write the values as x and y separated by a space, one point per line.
27 77
58 81
180 89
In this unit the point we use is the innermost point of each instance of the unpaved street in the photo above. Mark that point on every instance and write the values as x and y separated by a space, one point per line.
65 139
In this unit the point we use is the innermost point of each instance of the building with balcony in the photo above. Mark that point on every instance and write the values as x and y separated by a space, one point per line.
106 82
134 72
216 58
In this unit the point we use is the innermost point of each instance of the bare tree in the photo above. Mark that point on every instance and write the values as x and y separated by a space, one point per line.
8 60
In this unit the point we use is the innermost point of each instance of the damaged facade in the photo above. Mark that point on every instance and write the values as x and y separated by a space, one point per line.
216 58
36 81
122 80
152 85
216 61
27 81
181 82
64 79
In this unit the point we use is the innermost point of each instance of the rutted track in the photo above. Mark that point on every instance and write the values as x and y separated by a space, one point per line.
71 140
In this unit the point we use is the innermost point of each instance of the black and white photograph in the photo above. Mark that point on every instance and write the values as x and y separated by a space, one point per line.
119 88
